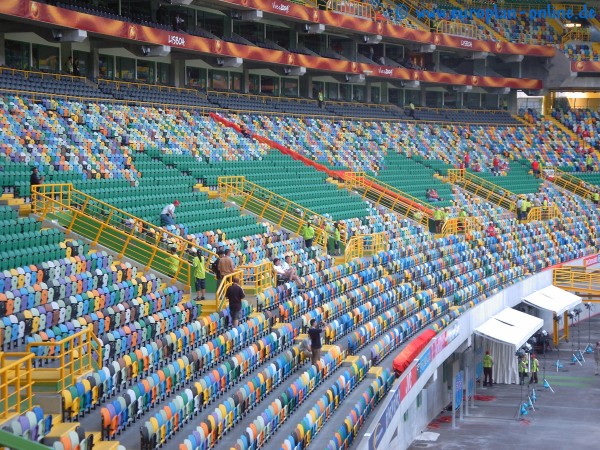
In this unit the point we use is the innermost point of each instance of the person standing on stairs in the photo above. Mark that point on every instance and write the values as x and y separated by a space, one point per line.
199 265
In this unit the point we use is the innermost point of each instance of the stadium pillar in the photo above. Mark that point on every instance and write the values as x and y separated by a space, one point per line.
246 80
2 52
95 66
66 50
177 69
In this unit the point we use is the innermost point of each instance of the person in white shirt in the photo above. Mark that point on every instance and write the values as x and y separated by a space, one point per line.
286 272
167 215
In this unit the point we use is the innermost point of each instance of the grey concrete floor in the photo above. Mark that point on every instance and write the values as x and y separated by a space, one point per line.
568 418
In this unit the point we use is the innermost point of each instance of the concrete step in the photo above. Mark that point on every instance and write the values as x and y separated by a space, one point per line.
59 430
106 445
208 307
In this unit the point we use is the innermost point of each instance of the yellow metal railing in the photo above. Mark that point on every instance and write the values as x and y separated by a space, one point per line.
575 279
458 29
461 225
220 298
543 213
16 383
483 188
273 207
571 183
258 277
138 85
576 34
365 245
116 229
352 8
389 196
72 356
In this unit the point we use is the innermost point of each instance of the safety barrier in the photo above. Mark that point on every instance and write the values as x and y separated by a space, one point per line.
127 234
576 279
16 382
365 245
225 283
76 354
458 29
576 34
259 277
352 8
483 188
388 196
120 231
543 213
273 207
461 225
570 183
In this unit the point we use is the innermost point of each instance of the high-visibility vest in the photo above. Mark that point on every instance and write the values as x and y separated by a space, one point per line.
535 365
308 232
487 361
320 96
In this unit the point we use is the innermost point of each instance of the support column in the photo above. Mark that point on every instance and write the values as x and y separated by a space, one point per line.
94 63
66 50
246 80
2 50
177 69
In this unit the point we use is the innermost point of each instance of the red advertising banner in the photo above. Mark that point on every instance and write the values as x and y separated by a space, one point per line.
30 10
363 25
590 260
585 66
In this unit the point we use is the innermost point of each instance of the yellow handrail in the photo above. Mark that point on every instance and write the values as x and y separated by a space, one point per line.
76 355
461 225
16 383
483 188
543 213
227 281
459 29
407 205
274 207
576 279
27 73
161 87
115 228
361 245
258 277
576 34
570 183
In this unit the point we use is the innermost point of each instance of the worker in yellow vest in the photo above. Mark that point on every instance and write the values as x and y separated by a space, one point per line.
308 233
535 367
488 362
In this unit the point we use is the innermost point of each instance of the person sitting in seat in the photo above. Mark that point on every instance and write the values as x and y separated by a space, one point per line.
433 196
491 230
167 216
286 272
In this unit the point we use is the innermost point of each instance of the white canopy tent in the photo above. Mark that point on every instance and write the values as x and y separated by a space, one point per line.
553 299
503 335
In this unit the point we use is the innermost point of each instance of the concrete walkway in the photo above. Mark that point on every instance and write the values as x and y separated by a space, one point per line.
564 419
